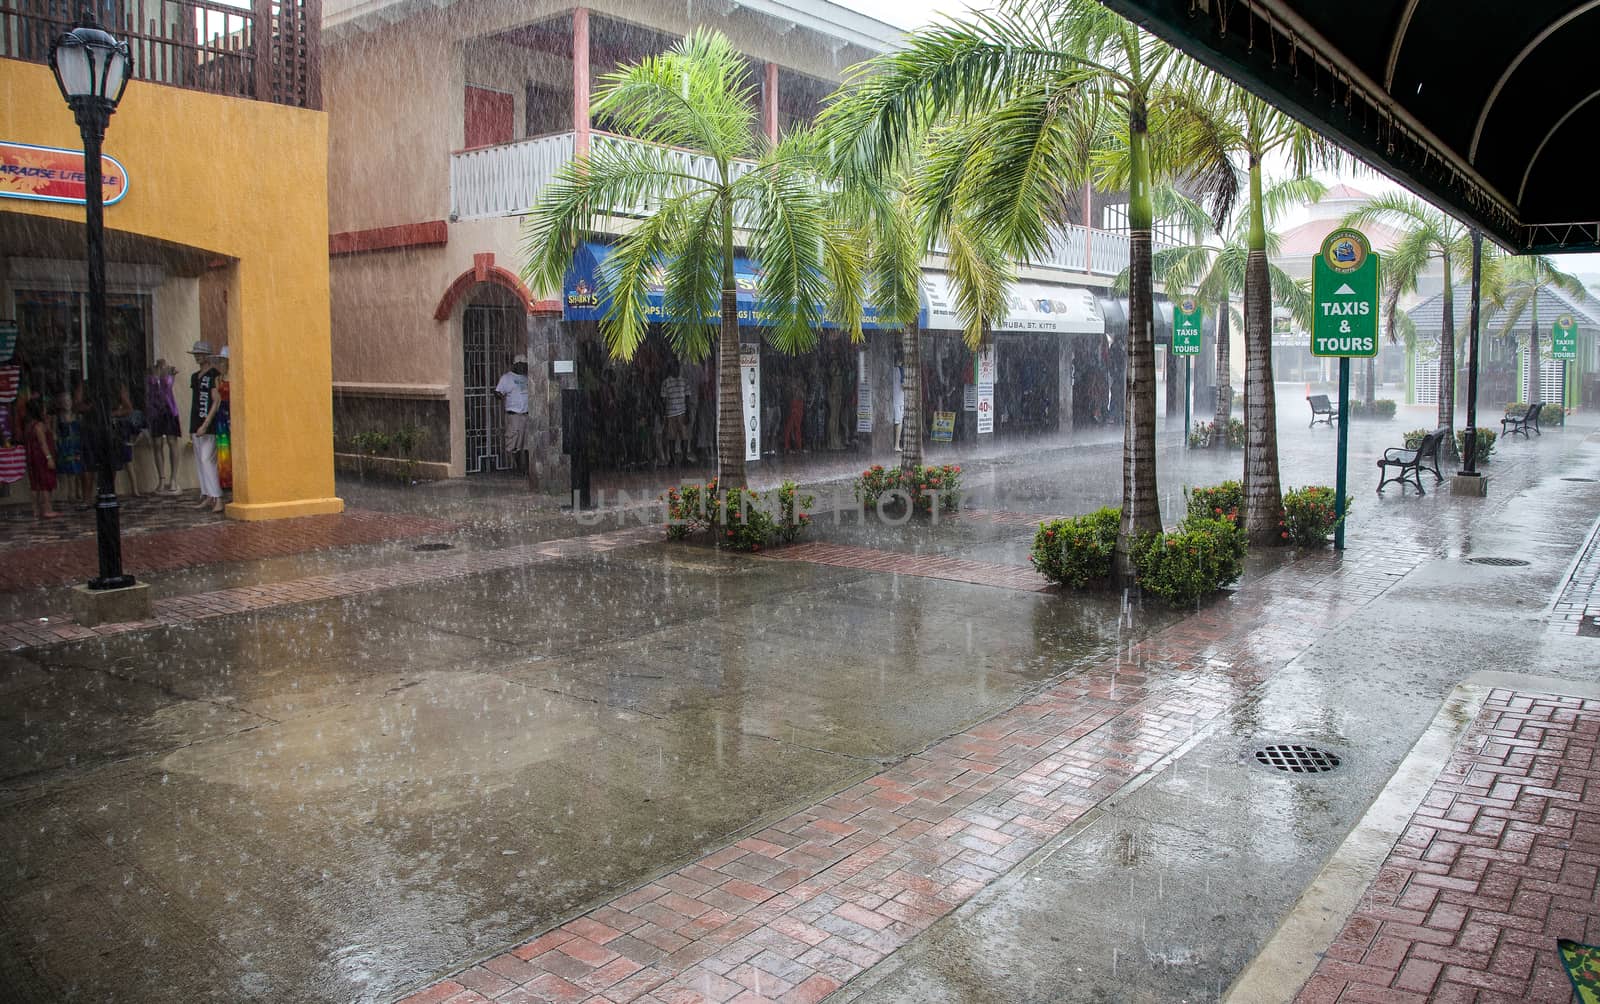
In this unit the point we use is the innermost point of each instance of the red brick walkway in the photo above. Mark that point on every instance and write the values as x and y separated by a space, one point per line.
1498 863
796 910
219 603
55 564
932 566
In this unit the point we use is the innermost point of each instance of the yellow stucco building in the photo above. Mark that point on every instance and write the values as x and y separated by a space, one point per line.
222 235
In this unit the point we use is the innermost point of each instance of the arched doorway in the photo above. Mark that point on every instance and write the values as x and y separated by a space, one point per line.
493 331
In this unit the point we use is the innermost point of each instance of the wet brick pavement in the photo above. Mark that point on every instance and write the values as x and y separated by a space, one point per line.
36 564
796 910
1498 863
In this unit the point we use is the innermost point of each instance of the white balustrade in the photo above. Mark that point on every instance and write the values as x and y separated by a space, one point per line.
505 180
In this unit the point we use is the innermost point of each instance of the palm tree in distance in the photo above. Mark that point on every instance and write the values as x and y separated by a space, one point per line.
895 235
1516 295
1016 98
1213 268
1216 129
698 96
1426 233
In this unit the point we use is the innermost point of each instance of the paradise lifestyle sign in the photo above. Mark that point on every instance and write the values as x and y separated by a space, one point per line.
53 174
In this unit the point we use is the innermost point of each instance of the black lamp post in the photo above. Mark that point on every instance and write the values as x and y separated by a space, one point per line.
92 69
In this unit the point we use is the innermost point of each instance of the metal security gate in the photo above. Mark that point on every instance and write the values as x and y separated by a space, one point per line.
1552 374
491 334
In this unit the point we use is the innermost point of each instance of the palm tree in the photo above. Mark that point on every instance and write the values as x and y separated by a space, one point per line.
896 234
1215 124
1015 98
1516 292
1213 268
1426 234
698 96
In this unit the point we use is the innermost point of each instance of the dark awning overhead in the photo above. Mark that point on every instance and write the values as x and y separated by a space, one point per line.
1487 109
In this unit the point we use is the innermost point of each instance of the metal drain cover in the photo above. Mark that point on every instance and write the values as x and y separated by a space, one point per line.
433 547
1577 479
1295 758
1499 562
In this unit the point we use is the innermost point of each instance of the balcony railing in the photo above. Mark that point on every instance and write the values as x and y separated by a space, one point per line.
506 180
269 50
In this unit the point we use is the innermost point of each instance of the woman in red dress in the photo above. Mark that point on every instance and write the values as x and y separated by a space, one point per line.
41 446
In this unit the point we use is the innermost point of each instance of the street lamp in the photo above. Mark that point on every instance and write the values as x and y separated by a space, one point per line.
92 69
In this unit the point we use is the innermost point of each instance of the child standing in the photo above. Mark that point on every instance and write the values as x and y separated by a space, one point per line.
41 447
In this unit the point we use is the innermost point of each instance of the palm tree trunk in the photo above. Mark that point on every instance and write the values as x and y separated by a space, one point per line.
1447 362
730 404
1369 395
1141 507
1224 412
911 420
1263 501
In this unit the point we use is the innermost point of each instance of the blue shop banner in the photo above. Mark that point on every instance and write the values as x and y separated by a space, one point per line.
584 298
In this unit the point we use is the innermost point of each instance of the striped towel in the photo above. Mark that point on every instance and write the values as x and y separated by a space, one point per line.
13 464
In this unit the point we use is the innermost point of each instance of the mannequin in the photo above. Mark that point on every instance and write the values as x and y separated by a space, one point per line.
161 409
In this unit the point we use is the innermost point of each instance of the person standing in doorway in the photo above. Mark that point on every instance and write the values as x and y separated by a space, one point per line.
41 458
203 401
675 402
513 393
898 398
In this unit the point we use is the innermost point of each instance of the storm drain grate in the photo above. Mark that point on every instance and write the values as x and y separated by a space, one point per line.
1577 479
433 547
1293 758
1498 562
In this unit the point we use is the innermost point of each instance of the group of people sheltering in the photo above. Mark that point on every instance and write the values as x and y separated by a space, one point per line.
59 436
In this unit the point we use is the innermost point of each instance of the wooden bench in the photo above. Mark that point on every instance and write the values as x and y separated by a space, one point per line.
1521 423
1322 410
1411 463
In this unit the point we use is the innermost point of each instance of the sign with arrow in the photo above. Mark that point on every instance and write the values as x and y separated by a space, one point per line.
1186 317
1564 339
1344 297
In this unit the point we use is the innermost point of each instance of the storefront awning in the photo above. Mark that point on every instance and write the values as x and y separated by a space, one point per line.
1045 308
582 298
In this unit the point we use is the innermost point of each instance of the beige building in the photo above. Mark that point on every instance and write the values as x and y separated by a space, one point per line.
447 119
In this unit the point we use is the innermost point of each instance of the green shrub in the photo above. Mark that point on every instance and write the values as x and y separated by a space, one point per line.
1308 515
1550 414
1486 438
875 482
1415 437
1384 408
792 518
923 485
1077 551
741 519
1224 501
1200 434
1191 563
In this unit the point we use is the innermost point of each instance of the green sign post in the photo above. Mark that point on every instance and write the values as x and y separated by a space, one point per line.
1186 318
1344 323
1564 338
